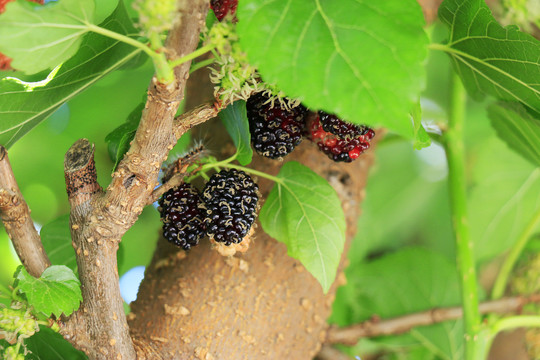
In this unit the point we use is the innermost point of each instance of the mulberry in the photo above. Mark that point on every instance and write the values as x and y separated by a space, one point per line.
182 213
223 7
231 199
336 126
274 132
339 140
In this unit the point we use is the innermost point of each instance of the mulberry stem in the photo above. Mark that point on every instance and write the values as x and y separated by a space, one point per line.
455 154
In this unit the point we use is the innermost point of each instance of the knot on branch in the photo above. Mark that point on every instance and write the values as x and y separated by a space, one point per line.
80 172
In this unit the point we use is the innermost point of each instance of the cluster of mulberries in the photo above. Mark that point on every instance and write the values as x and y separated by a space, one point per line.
276 131
225 212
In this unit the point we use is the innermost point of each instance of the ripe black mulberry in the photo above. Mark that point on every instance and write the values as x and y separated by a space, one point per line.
231 199
182 213
275 132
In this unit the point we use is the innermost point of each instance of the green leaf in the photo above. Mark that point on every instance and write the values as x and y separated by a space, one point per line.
292 214
518 128
490 59
24 105
57 291
47 344
56 239
360 60
421 137
41 37
235 119
505 195
410 280
120 137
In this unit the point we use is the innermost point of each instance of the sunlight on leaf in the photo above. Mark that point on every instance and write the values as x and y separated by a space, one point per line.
39 37
21 110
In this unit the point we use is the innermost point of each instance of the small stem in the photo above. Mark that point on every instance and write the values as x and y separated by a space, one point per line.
164 72
174 63
201 64
255 172
121 37
511 259
516 322
14 295
227 164
455 153
440 47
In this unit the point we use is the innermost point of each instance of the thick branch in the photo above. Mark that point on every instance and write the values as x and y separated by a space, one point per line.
17 221
99 328
100 219
376 327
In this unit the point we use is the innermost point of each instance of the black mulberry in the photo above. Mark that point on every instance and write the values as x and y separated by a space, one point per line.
231 199
274 132
182 213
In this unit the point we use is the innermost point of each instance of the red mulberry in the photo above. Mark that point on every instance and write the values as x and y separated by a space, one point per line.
339 140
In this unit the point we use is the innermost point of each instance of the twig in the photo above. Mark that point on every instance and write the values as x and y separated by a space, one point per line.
175 180
375 327
17 221
198 115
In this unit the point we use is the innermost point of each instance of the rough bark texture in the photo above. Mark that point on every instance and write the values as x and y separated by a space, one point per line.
259 305
96 261
99 219
350 335
17 221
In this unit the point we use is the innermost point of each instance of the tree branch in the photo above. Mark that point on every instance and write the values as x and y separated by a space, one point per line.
17 221
376 327
194 117
99 219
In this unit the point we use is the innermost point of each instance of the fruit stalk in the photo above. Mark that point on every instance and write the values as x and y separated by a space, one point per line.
455 154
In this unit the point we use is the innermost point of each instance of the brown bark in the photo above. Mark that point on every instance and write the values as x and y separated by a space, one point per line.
99 219
376 327
17 221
